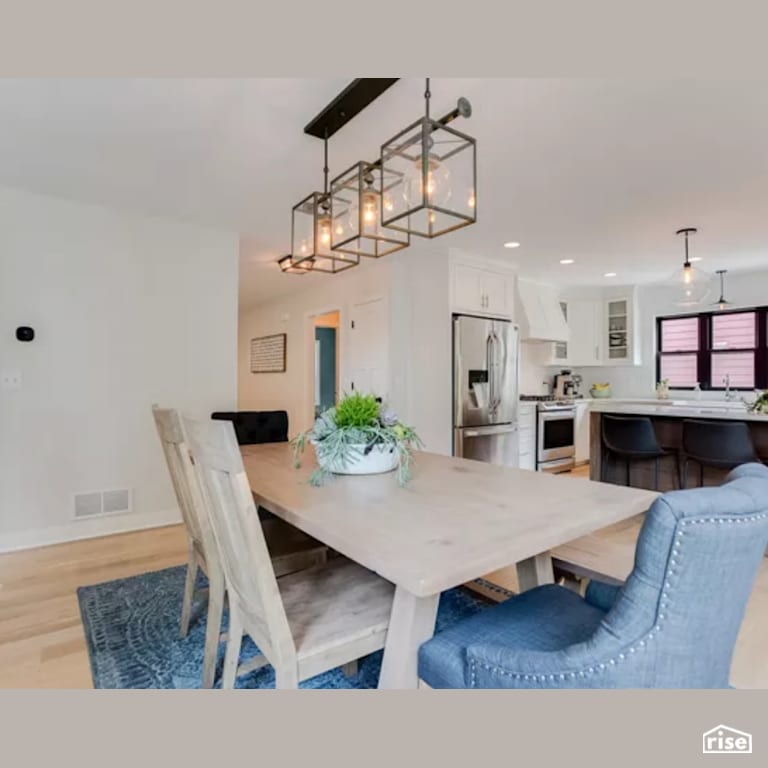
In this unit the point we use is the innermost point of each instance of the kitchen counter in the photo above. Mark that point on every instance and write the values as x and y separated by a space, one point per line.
667 417
708 409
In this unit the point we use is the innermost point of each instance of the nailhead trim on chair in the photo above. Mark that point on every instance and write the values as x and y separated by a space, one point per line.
640 644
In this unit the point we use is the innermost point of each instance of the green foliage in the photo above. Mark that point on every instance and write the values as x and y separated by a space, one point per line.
357 411
760 405
343 434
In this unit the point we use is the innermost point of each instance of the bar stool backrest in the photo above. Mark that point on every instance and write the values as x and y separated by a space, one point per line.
630 436
718 443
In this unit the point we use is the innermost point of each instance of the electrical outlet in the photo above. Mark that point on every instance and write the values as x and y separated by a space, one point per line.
10 379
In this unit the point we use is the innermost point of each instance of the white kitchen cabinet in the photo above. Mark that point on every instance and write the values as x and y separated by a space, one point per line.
527 433
581 430
620 331
481 291
585 322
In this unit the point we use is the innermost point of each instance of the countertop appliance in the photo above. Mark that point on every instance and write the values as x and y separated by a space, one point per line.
486 363
566 385
555 435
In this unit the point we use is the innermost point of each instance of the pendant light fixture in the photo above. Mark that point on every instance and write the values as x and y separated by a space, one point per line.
721 303
356 204
689 284
423 183
429 175
311 231
286 265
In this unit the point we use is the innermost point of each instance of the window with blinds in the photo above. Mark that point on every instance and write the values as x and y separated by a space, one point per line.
714 349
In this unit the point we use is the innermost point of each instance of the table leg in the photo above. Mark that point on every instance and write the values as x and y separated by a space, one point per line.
535 571
411 623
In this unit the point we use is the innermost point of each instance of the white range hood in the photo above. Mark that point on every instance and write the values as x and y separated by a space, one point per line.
541 317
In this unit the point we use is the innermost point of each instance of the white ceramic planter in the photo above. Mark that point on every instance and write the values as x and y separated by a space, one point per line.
379 460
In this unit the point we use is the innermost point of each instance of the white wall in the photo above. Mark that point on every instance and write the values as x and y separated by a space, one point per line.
744 290
417 283
128 311
292 391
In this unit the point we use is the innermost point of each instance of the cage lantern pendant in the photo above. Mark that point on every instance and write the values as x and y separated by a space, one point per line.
429 176
356 205
312 225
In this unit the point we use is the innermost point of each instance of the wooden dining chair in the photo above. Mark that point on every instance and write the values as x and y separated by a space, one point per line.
289 548
305 623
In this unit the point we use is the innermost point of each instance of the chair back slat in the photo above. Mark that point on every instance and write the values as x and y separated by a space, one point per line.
245 559
171 433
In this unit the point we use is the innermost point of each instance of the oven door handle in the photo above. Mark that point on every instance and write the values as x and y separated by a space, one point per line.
564 415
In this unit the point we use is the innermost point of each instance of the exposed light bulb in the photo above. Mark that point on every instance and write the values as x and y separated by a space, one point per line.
436 191
325 232
370 208
687 274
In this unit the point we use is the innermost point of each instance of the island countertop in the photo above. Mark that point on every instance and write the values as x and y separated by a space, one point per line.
679 408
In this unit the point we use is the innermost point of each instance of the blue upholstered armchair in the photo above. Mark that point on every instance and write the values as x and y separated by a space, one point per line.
673 624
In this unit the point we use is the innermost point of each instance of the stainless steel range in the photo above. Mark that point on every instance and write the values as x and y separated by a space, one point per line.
555 432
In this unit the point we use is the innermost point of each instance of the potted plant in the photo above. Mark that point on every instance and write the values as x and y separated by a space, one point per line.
760 405
662 389
358 437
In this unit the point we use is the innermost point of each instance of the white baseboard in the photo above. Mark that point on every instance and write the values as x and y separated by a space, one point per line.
87 529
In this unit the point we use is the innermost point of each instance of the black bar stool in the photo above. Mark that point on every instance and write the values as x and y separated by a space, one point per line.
630 438
717 444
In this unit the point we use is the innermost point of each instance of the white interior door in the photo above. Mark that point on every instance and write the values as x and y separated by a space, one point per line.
369 348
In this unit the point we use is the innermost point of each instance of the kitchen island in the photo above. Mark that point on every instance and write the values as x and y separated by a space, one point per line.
667 417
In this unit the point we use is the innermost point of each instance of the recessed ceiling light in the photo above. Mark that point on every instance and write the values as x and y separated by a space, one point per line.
511 245
566 261
695 258
609 274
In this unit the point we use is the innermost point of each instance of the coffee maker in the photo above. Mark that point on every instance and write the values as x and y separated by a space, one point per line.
566 385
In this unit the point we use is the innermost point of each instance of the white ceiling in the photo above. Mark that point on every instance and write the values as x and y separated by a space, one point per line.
600 171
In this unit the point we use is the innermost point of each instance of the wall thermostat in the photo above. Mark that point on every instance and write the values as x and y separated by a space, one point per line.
23 333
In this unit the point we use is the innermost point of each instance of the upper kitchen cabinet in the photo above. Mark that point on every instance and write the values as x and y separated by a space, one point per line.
481 291
603 328
585 321
619 332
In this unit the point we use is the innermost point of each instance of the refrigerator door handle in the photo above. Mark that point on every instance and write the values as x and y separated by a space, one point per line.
490 364
497 370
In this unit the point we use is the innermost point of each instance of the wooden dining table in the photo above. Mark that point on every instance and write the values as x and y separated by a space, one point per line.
457 520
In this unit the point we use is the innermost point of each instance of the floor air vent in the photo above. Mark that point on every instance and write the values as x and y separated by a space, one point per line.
102 503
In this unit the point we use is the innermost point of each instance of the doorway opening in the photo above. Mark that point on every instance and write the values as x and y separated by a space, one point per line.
327 358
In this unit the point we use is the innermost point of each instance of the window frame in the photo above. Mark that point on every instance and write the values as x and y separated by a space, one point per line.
704 353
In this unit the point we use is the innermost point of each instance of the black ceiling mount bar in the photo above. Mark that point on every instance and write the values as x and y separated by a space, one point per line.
350 102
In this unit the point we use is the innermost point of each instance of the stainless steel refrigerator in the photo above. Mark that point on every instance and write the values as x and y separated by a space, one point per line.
486 364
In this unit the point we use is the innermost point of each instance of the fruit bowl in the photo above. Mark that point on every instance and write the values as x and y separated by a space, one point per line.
598 392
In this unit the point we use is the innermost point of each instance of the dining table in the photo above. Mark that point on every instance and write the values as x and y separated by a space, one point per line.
455 521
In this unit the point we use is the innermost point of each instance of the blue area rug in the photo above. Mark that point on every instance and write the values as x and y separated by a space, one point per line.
132 630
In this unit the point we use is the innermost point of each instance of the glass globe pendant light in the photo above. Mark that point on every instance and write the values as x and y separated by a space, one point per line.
689 285
429 175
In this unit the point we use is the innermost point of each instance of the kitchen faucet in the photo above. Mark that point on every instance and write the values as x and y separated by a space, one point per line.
727 382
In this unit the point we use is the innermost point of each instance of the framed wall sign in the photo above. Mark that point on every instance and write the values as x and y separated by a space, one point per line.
268 354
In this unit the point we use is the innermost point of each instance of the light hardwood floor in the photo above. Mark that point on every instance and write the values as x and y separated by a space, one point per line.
41 636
